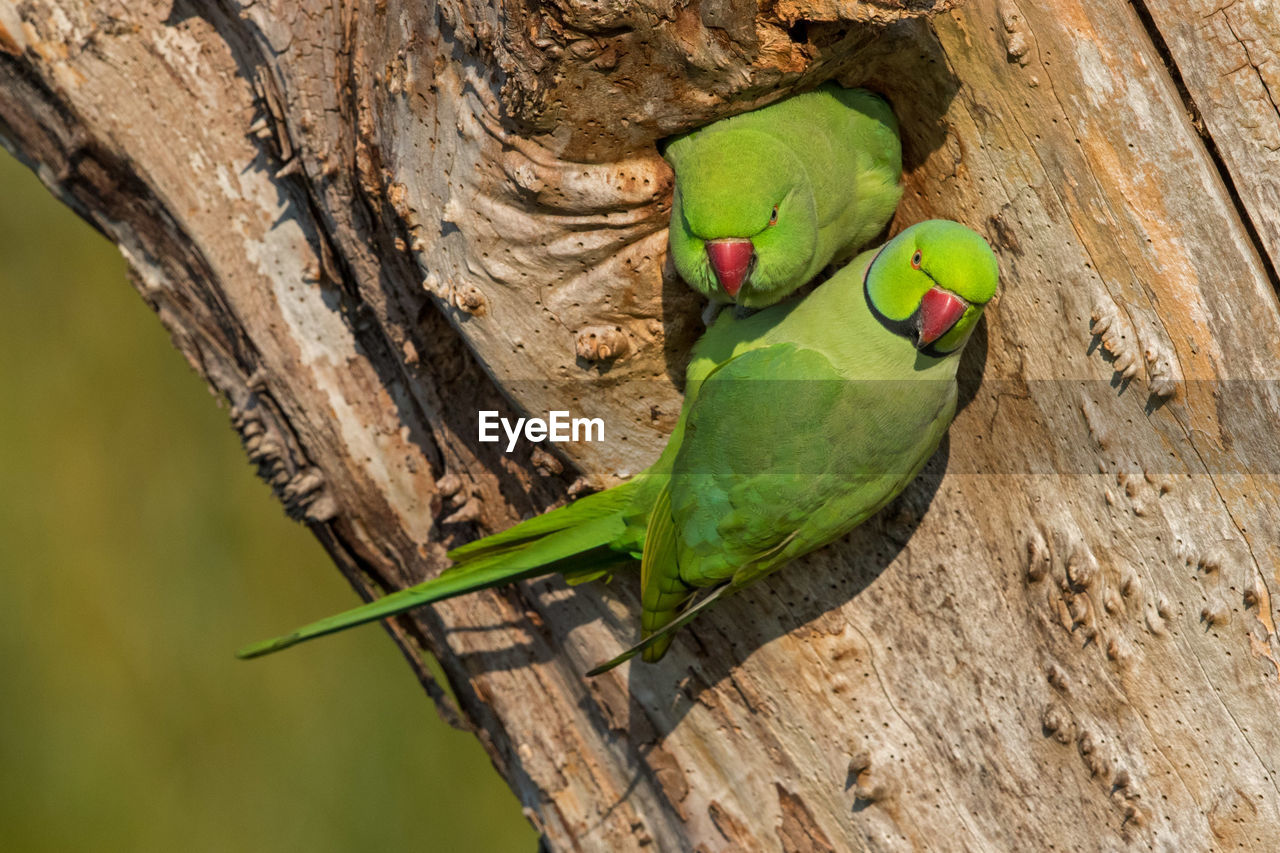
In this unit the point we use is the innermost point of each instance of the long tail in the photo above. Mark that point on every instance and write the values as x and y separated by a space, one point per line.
574 540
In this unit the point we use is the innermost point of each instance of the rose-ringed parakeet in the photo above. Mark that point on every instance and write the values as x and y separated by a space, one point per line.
799 422
765 200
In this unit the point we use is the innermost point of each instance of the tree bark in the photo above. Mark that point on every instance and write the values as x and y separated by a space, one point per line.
364 222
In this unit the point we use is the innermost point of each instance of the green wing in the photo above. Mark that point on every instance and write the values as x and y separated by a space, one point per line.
836 450
734 497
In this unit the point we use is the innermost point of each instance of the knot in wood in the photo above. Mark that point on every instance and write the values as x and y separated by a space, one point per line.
469 298
602 343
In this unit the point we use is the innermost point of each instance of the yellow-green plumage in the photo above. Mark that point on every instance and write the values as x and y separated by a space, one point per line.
799 422
829 161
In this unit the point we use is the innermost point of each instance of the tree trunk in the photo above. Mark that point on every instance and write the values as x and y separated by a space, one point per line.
365 222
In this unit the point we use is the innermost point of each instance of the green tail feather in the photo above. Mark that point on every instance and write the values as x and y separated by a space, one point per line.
575 544
599 505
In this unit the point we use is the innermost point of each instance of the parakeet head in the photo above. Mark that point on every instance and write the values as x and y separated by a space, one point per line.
930 284
743 219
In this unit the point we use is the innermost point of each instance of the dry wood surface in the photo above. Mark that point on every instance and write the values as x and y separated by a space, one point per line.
363 222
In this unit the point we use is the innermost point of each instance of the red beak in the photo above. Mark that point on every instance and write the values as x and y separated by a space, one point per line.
939 311
730 259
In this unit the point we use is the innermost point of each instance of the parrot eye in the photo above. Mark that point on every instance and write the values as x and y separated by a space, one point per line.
915 260
773 218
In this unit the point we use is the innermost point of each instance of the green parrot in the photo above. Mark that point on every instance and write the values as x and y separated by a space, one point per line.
765 200
799 422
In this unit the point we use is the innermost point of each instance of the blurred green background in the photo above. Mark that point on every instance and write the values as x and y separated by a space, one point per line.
137 551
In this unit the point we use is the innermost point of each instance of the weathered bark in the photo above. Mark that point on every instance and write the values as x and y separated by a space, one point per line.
363 222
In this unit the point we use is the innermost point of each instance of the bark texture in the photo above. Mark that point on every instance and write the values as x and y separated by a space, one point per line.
364 221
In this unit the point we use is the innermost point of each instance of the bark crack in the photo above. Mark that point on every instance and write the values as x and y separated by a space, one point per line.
1257 68
1210 144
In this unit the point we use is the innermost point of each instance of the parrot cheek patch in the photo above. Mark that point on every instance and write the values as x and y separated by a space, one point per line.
731 261
939 311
